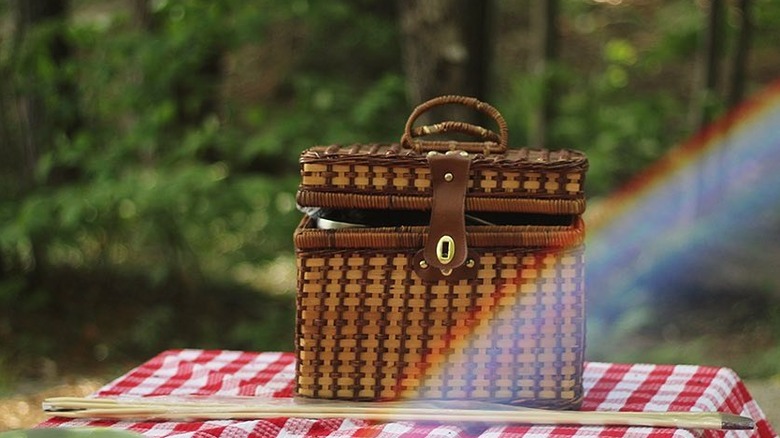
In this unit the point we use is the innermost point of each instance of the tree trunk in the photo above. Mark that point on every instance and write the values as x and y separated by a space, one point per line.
476 22
38 124
142 15
705 101
709 70
742 49
8 130
446 50
208 74
202 82
544 17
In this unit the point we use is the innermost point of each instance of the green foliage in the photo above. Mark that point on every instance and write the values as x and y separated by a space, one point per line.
160 174
621 132
766 15
613 100
149 165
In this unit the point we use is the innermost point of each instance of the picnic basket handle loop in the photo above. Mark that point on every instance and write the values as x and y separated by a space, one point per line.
492 142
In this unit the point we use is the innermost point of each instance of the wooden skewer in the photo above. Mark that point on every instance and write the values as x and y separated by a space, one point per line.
152 409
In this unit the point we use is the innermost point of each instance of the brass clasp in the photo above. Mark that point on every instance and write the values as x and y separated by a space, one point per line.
445 249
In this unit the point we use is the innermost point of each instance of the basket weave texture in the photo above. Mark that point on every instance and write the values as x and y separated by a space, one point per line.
388 176
511 329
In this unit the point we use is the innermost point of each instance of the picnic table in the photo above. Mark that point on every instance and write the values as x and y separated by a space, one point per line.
608 387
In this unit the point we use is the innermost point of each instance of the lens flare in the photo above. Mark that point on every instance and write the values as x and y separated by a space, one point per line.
719 188
710 188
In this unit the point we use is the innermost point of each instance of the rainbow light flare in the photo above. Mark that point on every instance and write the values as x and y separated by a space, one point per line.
714 188
711 187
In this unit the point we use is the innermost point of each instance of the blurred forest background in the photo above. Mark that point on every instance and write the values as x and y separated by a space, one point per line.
149 153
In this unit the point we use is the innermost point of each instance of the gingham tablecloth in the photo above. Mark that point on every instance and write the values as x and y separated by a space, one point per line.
608 387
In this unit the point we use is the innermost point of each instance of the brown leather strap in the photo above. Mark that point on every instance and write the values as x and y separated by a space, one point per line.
445 246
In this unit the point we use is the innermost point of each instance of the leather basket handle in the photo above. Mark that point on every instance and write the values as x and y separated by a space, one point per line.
492 142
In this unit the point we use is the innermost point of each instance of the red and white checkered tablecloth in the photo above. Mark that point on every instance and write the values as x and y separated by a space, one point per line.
608 387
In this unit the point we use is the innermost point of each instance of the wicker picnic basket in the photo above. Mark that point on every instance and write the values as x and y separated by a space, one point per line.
440 269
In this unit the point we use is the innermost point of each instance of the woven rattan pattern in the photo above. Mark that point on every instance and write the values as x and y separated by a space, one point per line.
369 328
333 171
308 236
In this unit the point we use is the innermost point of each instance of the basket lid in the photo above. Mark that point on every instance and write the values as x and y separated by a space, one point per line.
391 177
398 176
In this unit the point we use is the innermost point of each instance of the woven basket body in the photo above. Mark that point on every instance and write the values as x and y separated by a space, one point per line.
378 319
